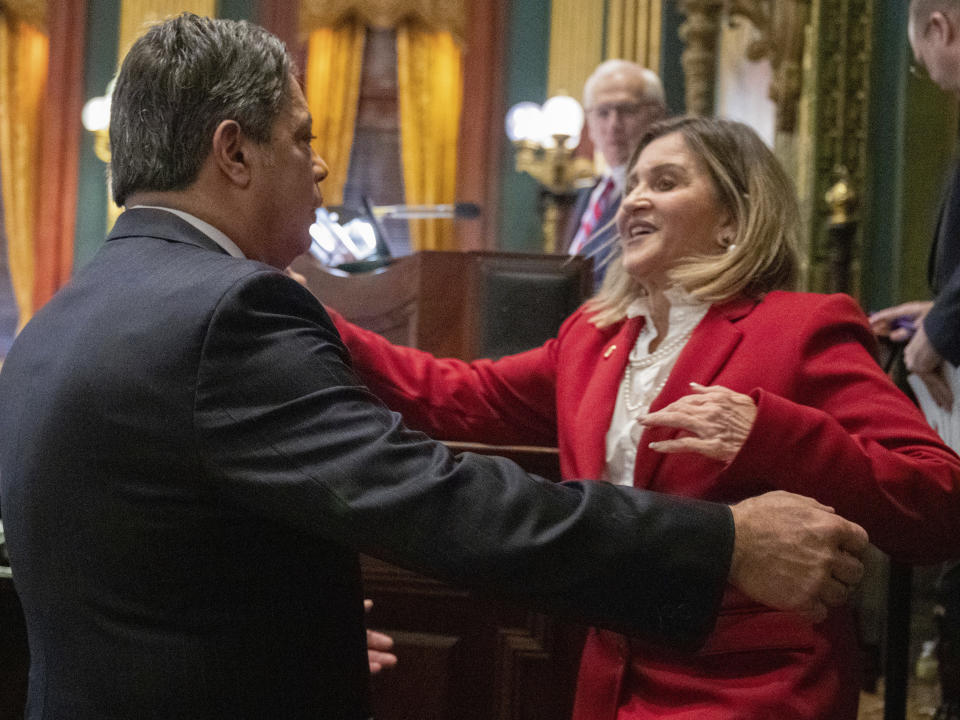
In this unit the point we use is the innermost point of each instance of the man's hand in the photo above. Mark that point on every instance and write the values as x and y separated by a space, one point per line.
919 356
792 553
379 645
898 322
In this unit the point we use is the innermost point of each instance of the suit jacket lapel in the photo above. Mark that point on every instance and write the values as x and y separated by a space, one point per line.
700 361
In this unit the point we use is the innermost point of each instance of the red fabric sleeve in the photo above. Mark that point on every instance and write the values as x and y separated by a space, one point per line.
507 401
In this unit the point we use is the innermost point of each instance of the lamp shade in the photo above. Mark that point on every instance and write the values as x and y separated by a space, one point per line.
525 122
96 113
563 116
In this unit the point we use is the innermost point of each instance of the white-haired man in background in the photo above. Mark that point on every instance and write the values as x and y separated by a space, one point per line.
621 99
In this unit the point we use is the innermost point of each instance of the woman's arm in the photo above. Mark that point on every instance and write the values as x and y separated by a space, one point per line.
508 401
841 432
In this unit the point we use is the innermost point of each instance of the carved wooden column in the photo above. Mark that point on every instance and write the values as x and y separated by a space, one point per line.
699 59
839 122
780 37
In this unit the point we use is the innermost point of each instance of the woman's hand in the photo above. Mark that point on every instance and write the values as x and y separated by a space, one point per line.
717 418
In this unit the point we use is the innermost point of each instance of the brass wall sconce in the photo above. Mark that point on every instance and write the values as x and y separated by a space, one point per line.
96 118
545 139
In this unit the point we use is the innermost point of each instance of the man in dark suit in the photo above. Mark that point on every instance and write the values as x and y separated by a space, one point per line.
621 99
189 466
932 353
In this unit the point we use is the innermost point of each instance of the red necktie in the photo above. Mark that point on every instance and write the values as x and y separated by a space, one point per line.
592 216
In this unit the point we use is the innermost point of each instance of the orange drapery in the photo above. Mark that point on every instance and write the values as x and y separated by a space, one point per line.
430 89
23 74
59 153
334 61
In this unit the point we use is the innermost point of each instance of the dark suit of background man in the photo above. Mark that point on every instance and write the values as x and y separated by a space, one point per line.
189 465
933 351
621 100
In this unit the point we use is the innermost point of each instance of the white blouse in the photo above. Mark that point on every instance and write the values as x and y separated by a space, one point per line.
645 376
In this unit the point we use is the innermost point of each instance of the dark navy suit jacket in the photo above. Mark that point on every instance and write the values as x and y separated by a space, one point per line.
602 245
942 323
189 467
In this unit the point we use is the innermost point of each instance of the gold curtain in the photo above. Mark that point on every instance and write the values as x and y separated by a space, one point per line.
576 44
23 74
137 15
633 31
430 95
334 61
437 15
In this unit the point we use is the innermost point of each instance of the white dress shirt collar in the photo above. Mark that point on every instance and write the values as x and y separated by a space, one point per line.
206 228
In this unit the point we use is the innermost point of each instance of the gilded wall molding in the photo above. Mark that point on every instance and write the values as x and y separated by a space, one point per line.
33 12
842 60
780 36
438 15
779 26
699 33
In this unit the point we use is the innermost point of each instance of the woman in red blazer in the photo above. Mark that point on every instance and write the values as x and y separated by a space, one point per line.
694 372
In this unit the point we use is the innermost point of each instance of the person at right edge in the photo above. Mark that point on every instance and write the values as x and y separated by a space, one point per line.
932 327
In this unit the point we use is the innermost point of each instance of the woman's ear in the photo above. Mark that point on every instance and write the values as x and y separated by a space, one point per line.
727 232
229 147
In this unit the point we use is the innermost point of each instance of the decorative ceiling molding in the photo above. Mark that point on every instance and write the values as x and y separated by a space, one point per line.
699 34
780 26
441 15
33 12
780 31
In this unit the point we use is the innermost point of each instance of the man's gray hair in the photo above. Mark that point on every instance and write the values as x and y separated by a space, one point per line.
652 86
177 84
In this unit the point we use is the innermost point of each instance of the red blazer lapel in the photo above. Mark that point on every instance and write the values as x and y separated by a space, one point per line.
599 395
704 356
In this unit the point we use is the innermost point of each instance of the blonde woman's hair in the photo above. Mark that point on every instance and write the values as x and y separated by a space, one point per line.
752 186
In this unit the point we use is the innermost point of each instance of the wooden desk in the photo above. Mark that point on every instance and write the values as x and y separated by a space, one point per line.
466 656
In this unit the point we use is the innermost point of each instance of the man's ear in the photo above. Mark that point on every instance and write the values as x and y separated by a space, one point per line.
941 28
229 147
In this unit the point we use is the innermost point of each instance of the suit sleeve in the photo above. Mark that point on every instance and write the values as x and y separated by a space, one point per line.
852 440
942 323
510 401
287 431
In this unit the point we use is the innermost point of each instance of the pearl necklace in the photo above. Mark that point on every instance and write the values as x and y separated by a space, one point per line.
658 355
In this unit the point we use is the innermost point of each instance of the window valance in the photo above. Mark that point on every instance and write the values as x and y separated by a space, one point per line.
30 11
437 15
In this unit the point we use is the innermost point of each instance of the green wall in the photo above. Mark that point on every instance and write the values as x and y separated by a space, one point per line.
911 142
100 60
525 62
671 48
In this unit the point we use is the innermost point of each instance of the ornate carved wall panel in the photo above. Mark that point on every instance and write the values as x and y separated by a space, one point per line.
840 122
820 52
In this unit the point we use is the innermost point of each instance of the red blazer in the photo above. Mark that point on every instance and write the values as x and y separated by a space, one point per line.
829 424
